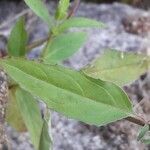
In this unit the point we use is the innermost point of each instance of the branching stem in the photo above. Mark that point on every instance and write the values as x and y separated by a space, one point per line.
41 41
36 44
74 9
134 119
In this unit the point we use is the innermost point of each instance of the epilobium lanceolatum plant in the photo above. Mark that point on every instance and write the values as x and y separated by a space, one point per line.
92 95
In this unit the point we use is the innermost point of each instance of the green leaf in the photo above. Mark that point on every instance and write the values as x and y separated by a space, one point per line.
31 115
143 131
40 10
64 46
70 92
146 141
77 22
13 113
61 11
45 140
18 39
118 67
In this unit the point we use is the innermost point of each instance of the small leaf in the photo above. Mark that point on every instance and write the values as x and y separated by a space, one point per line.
40 10
118 67
31 115
13 113
146 141
64 46
18 39
70 92
61 11
45 140
143 131
77 22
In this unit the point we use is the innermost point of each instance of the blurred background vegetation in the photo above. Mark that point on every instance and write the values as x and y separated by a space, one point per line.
139 3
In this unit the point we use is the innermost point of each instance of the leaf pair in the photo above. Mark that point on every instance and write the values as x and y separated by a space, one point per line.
40 10
65 45
60 47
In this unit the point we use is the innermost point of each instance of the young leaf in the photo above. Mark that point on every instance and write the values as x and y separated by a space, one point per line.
40 10
45 140
70 92
31 115
18 39
61 11
118 67
64 46
143 131
13 113
77 22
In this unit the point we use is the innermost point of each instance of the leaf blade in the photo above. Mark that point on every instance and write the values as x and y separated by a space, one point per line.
146 141
58 51
40 10
118 67
73 91
45 140
142 132
13 113
18 39
31 115
78 22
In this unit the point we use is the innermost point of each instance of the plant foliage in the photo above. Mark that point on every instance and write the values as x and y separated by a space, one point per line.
118 67
92 95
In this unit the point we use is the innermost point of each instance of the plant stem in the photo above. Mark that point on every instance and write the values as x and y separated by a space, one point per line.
3 103
48 41
136 120
74 9
36 44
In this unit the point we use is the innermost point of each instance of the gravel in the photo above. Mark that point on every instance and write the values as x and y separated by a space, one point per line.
69 134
